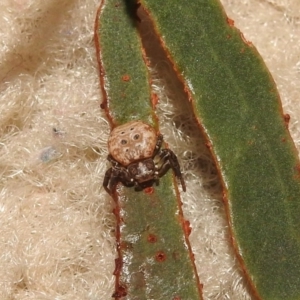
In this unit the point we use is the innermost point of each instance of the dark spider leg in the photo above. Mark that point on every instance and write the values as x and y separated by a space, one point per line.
137 187
106 180
112 161
171 161
159 142
114 175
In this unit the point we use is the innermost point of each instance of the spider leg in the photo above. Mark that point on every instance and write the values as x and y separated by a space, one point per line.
159 142
112 161
137 186
106 180
113 176
170 161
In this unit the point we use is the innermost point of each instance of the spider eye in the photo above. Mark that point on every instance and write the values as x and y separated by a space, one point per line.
136 136
123 142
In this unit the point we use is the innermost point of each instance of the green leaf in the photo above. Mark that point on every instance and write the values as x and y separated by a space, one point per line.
238 108
155 259
123 73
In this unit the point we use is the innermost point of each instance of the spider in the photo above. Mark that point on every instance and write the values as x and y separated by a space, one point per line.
137 158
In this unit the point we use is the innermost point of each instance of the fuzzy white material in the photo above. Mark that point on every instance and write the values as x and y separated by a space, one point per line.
57 227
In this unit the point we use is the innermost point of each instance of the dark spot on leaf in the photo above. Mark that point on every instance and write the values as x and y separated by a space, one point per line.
230 22
120 292
176 255
152 238
118 266
138 280
149 190
224 197
125 77
187 228
125 245
116 211
154 100
287 118
208 145
160 256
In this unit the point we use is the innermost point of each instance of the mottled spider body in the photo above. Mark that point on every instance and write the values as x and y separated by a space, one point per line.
137 158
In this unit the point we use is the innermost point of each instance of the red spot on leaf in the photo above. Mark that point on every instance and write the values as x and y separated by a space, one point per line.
192 257
116 211
126 77
287 118
118 266
160 256
224 196
208 145
187 228
149 190
120 292
152 238
125 245
176 255
176 298
230 22
154 100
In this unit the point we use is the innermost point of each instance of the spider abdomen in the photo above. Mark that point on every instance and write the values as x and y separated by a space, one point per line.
131 142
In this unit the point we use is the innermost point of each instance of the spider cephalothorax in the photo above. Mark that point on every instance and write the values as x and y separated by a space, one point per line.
137 158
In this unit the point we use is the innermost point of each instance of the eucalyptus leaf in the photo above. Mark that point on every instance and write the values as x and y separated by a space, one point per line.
238 109
154 256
